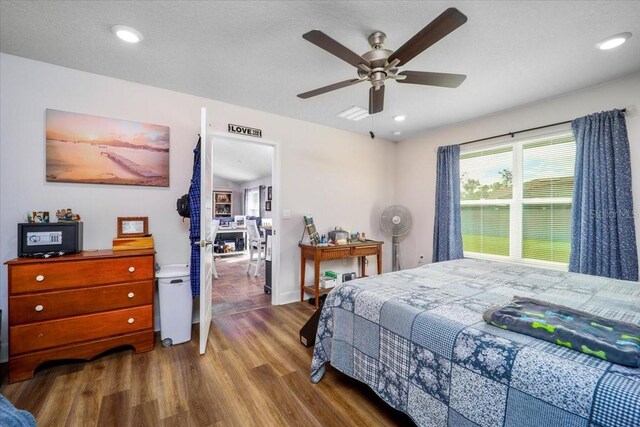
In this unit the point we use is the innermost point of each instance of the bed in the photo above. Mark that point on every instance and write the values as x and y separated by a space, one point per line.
10 416
417 338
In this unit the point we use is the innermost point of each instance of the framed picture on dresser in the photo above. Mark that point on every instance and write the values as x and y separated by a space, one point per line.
132 226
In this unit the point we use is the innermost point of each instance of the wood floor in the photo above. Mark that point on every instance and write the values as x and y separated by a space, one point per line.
234 291
255 372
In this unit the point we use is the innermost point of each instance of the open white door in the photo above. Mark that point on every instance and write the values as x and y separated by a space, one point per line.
206 237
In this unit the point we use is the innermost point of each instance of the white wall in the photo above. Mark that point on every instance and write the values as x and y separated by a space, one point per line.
225 184
313 177
416 158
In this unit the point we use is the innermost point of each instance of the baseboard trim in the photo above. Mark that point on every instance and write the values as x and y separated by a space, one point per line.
288 297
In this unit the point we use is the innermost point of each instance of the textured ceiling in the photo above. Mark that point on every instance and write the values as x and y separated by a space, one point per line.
251 53
241 161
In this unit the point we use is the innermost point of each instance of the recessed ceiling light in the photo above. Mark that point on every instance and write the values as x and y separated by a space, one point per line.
399 118
613 41
128 34
397 133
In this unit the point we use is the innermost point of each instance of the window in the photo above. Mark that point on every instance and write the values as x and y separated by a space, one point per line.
253 202
516 199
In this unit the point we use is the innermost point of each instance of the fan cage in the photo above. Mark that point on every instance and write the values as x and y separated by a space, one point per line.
396 229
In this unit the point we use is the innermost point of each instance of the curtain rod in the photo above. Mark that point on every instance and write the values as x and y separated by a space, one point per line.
512 134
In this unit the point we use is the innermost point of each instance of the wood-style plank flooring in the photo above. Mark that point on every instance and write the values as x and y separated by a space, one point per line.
234 291
255 373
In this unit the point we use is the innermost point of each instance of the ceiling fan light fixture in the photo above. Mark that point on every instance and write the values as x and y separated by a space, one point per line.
397 133
613 41
379 64
127 34
399 118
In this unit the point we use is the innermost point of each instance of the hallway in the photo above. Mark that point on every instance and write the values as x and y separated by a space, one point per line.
234 291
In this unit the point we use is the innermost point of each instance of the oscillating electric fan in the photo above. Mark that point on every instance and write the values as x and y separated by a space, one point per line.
396 221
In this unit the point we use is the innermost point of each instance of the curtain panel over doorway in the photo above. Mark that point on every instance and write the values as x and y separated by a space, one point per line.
447 229
603 235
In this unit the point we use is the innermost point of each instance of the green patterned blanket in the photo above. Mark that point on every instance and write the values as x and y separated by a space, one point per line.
610 340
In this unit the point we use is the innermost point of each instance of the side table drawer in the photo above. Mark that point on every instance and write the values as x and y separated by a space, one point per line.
336 253
364 250
52 305
75 274
40 335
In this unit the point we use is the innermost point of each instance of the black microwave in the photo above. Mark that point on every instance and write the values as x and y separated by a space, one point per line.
35 239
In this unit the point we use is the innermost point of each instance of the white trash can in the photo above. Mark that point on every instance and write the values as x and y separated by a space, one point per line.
176 303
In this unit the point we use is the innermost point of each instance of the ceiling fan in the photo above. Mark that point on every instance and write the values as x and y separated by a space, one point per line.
379 64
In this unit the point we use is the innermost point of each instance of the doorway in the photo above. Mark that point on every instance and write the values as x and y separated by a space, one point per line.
245 188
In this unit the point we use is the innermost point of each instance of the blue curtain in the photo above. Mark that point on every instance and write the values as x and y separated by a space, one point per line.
603 235
447 229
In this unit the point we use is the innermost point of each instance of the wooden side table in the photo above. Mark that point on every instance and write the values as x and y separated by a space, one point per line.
325 253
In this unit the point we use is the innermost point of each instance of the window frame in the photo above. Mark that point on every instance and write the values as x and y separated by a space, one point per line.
517 201
251 190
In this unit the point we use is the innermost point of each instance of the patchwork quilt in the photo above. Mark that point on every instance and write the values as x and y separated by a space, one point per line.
417 338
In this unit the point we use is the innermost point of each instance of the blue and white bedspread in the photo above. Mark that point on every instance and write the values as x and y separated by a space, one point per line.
417 338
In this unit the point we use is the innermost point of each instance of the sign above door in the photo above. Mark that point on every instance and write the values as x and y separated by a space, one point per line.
244 130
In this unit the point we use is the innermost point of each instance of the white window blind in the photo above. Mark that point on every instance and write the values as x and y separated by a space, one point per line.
486 182
516 199
547 184
253 202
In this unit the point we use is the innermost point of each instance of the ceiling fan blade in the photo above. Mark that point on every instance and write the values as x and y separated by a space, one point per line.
432 79
325 42
329 88
436 30
376 99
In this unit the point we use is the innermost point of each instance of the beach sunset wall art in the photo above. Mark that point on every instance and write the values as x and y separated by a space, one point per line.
99 150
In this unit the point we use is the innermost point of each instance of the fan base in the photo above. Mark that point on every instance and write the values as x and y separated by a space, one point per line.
377 57
377 39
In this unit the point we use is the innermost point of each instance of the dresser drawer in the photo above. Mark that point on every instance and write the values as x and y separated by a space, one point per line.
364 250
37 336
74 274
52 305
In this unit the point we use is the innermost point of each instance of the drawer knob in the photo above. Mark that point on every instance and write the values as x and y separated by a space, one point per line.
39 278
131 320
131 295
132 269
39 308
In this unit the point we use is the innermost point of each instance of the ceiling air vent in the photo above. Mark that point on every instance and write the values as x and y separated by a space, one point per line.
354 113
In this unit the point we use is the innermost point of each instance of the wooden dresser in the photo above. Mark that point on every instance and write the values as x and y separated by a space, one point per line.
78 306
